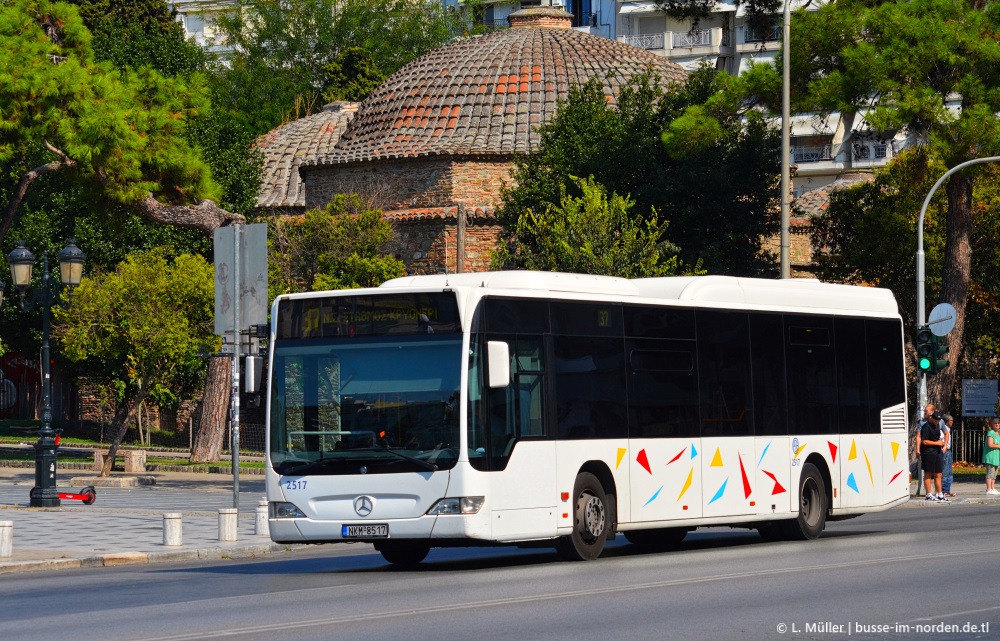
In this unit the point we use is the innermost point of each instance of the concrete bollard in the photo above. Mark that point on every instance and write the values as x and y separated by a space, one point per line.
6 538
260 519
227 524
172 528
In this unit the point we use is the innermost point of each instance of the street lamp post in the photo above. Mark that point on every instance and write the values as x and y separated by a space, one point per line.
786 56
21 262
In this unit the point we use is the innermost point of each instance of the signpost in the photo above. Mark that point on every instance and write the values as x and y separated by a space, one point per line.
240 301
979 397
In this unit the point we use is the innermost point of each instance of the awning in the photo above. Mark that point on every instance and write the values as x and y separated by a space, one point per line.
638 7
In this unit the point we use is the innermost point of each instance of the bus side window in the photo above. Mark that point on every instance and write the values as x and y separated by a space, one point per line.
516 412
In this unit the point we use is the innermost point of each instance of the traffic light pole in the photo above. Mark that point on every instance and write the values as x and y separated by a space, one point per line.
921 317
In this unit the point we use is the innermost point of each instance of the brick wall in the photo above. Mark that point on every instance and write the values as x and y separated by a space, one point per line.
430 246
418 182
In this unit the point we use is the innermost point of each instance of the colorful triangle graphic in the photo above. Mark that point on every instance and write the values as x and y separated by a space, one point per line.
687 484
851 483
719 494
676 457
869 468
653 498
895 476
766 448
621 455
854 451
746 481
833 451
694 452
717 459
895 450
643 461
778 488
799 451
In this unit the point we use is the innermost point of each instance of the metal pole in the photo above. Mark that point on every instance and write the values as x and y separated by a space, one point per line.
786 36
44 493
921 317
237 346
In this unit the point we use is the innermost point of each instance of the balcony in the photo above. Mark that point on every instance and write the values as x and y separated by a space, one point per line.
682 44
811 154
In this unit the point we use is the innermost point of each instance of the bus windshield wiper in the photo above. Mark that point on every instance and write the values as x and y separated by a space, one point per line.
406 457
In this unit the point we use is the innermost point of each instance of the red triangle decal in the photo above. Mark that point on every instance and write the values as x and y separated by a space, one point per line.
678 456
778 489
643 461
833 451
746 481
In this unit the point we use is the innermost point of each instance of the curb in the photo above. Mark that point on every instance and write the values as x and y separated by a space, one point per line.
116 559
198 469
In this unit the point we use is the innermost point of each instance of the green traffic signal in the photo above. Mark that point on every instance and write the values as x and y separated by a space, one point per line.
925 350
930 352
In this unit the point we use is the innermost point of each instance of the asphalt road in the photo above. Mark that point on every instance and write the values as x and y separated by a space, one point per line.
917 566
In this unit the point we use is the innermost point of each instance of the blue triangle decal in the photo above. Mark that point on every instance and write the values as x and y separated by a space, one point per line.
653 498
694 452
851 483
718 495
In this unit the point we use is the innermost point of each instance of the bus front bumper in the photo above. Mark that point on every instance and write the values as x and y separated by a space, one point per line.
452 526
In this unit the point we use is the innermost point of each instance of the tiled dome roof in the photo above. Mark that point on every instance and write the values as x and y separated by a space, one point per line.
486 95
287 146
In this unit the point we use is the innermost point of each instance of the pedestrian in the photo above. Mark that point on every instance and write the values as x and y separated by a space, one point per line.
929 445
946 458
991 455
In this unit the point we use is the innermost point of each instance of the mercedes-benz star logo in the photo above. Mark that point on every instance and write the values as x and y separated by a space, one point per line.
363 505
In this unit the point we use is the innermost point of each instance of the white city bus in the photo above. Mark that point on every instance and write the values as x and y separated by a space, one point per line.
556 409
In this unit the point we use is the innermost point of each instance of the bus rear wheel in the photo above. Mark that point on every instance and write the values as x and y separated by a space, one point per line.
591 521
812 507
403 554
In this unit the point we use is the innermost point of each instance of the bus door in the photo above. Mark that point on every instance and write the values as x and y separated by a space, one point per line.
521 459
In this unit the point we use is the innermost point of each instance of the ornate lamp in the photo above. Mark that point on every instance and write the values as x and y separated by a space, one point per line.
71 264
21 262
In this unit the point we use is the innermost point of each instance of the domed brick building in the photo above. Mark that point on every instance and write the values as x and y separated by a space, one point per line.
434 143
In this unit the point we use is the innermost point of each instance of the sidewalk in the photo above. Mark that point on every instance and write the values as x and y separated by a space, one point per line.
125 525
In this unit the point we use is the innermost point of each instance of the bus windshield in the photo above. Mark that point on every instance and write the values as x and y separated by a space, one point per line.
367 405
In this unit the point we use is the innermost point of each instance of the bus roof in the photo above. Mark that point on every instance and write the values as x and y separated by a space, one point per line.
795 292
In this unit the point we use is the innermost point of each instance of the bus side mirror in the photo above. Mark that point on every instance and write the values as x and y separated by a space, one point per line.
498 355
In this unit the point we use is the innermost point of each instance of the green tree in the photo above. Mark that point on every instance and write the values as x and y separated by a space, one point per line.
120 133
337 247
280 49
930 68
138 330
719 191
353 76
592 234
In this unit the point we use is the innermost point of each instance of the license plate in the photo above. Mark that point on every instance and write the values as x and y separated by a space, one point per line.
372 531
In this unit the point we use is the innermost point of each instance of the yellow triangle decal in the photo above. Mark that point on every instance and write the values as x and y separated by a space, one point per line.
687 484
799 451
621 455
869 467
854 452
895 450
717 459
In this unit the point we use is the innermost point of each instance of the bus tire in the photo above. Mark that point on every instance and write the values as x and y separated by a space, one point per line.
658 539
811 521
404 554
591 521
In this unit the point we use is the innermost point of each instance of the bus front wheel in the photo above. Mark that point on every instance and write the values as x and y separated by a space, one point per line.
812 507
591 521
405 554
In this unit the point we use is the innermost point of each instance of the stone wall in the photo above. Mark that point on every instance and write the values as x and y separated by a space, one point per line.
429 246
413 183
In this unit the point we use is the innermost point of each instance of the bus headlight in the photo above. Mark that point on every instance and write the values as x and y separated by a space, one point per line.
281 510
460 505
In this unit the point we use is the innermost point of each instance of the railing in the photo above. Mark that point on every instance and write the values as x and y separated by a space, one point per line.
685 39
765 35
725 38
967 445
811 154
644 41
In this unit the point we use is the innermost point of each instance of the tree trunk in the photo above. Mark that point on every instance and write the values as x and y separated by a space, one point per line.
125 413
955 281
214 405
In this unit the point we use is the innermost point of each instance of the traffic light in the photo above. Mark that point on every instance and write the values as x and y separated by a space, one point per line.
930 352
925 350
